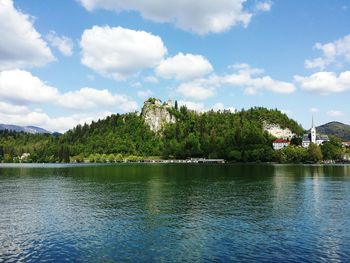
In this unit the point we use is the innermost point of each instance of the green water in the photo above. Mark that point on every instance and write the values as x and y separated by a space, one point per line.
174 213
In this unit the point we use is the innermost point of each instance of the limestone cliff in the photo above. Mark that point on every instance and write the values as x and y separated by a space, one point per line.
156 114
278 132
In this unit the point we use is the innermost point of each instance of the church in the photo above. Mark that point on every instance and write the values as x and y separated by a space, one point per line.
313 137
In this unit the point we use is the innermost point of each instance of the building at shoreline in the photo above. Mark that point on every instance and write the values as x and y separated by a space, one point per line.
313 137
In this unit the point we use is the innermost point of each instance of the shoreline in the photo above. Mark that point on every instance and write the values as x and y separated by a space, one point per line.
63 165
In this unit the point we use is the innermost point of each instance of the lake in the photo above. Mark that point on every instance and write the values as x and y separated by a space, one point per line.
174 213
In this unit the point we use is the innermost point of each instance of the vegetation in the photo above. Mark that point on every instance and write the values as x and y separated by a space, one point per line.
236 137
338 129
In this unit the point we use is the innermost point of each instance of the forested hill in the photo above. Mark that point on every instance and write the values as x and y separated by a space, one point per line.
233 136
338 129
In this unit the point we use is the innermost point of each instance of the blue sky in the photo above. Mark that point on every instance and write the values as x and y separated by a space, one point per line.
66 62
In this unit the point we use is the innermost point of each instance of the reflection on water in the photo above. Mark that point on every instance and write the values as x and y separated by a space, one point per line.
175 213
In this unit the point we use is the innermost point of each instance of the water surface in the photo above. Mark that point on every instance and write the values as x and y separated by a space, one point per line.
174 213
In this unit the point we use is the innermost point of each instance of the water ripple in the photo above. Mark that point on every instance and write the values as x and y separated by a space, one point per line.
167 213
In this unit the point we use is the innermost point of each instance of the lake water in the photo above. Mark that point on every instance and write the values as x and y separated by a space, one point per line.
174 213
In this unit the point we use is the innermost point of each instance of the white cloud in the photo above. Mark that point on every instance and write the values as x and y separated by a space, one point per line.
144 93
62 43
119 52
198 16
151 79
264 6
199 107
184 67
21 45
19 90
252 81
335 113
325 83
7 108
87 98
21 86
195 90
64 123
42 119
314 110
135 84
221 107
332 52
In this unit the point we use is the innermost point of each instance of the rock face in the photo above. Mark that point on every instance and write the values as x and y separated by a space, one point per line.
278 132
156 114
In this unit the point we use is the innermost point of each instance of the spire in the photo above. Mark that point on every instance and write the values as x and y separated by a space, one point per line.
312 124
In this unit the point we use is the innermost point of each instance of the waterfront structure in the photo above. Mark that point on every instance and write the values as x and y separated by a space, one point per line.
280 143
313 137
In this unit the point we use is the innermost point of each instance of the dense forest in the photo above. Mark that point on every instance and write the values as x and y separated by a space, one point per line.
237 137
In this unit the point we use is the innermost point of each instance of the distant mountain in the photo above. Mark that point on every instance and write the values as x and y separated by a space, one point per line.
27 129
338 129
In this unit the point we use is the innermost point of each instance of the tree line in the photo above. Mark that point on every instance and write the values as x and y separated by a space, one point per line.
236 137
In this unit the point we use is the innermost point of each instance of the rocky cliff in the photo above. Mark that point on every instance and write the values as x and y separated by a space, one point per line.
278 132
156 114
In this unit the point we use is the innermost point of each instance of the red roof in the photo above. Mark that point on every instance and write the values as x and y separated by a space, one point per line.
281 141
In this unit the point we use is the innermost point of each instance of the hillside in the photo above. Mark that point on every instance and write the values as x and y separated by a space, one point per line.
27 129
161 130
338 129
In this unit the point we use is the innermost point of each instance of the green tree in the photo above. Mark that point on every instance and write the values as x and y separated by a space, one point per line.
314 153
332 150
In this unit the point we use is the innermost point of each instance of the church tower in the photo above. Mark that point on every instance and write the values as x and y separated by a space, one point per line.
313 131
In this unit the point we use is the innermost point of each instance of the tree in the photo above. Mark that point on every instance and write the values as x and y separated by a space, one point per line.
176 105
1 152
296 140
314 153
332 150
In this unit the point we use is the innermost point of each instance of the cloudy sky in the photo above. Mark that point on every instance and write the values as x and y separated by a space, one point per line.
66 62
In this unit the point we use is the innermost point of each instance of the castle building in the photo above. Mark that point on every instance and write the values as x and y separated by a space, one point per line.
313 137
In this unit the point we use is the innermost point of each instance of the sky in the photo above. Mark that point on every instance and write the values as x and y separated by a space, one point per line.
67 62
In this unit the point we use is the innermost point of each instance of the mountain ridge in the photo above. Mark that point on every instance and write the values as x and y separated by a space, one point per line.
28 129
335 128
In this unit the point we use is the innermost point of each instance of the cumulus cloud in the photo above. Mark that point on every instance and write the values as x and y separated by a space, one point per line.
21 45
19 90
62 43
333 52
196 106
325 82
8 108
87 98
118 52
221 107
253 81
195 90
42 119
21 86
184 67
198 16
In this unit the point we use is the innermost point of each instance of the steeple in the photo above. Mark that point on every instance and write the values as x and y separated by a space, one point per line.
313 131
